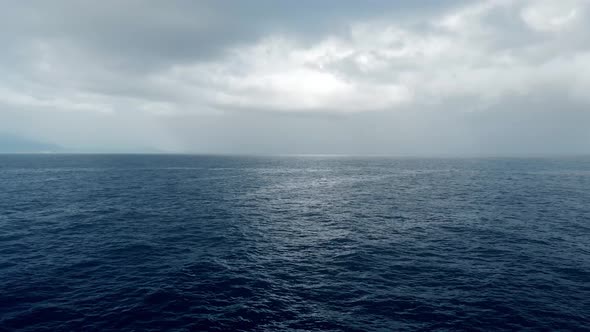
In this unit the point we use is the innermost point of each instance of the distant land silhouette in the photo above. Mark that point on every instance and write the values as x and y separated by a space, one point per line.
17 144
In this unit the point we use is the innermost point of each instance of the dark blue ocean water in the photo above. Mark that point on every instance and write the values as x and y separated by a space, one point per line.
197 243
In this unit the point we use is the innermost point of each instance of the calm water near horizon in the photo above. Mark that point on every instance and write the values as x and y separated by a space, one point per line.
309 243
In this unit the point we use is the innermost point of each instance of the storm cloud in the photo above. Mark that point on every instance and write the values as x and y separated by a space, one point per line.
355 77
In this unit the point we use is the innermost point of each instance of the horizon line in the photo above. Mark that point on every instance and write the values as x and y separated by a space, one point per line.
308 155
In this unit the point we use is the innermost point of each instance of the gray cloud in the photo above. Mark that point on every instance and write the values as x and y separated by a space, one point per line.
374 77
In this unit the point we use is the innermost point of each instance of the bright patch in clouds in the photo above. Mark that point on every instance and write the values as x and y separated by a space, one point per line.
554 15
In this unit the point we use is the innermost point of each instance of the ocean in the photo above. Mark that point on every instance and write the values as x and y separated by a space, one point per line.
307 243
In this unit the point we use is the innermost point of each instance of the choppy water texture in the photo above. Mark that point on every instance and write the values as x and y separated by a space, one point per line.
138 243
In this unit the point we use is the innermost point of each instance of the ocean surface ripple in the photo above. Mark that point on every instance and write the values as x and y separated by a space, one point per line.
206 243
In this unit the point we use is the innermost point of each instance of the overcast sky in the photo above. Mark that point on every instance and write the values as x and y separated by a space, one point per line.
388 77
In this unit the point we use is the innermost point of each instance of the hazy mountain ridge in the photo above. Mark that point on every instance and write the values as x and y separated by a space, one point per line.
17 144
